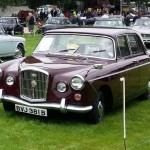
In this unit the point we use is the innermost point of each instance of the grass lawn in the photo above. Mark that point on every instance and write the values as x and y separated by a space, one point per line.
31 42
71 132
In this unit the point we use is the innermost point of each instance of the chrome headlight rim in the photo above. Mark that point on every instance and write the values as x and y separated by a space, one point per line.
77 82
61 87
10 80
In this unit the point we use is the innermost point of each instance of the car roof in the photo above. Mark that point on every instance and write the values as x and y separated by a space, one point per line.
93 30
108 19
116 16
9 17
141 20
58 18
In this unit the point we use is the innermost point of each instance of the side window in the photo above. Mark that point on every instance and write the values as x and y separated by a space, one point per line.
134 44
123 49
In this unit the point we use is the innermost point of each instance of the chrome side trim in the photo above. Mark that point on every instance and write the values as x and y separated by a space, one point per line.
62 106
119 72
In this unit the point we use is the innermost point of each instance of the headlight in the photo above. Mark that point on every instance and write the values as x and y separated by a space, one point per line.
10 80
77 82
61 87
1 73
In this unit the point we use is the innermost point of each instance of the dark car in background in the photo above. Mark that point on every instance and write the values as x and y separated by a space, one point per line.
77 70
57 23
12 25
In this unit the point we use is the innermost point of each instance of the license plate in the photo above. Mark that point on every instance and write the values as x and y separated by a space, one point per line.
31 110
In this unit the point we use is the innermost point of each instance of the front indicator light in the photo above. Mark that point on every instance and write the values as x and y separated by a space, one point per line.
77 97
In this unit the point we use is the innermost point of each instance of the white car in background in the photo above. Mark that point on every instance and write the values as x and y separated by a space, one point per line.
11 46
142 25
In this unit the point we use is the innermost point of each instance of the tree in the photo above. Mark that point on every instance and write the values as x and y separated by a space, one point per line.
33 4
5 3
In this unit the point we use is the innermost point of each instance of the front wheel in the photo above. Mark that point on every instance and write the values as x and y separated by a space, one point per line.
20 52
97 113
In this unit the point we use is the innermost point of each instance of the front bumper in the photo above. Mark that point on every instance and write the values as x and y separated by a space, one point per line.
55 106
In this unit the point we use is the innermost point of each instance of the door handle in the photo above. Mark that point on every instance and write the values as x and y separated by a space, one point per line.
135 61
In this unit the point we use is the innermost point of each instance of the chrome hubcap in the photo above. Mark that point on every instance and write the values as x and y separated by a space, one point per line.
18 53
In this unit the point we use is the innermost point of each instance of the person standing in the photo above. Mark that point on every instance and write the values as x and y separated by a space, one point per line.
31 22
105 14
128 20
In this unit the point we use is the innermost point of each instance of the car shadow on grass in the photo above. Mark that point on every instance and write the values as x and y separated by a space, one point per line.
54 117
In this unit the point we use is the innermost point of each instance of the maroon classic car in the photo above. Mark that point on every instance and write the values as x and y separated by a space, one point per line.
77 70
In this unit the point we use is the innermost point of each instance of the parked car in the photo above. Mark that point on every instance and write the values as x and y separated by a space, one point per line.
91 21
77 70
11 46
56 23
142 25
109 22
12 25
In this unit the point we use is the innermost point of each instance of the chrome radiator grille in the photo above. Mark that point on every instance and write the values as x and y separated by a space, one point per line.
33 85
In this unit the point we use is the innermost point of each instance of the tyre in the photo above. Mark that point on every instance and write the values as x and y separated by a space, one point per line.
96 115
20 52
8 107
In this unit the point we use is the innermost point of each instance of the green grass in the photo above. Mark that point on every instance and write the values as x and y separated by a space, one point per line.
31 42
71 132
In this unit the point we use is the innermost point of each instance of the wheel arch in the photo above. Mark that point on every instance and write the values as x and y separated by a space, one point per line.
21 44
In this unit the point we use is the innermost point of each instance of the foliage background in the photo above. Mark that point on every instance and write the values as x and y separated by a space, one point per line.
33 4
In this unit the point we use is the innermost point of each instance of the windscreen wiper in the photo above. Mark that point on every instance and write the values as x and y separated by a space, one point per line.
97 51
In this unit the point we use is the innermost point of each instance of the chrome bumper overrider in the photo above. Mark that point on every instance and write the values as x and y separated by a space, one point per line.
62 106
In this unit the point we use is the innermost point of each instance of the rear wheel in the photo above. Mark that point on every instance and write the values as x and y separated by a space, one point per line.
20 52
97 113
